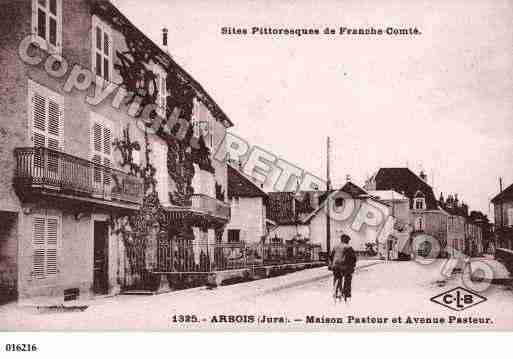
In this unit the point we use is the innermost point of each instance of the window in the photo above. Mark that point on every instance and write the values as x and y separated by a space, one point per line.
159 160
160 81
101 148
208 131
46 118
202 122
233 235
235 201
419 201
136 157
45 238
102 50
339 202
47 23
510 216
46 112
419 224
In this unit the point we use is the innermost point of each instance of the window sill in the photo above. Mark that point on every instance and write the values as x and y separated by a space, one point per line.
45 45
100 81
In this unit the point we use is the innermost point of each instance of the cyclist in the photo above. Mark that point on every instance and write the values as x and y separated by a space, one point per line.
343 262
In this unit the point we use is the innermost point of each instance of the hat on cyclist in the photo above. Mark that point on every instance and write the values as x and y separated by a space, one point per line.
345 238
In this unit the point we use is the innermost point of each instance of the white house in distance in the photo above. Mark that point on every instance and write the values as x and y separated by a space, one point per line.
400 207
248 221
304 215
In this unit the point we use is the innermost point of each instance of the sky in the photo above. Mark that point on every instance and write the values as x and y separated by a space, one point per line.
441 101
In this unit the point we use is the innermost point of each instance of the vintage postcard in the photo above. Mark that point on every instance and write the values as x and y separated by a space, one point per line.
255 165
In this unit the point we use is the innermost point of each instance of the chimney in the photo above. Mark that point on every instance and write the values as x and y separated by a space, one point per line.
423 176
164 37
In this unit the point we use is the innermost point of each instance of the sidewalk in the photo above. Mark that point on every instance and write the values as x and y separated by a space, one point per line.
119 304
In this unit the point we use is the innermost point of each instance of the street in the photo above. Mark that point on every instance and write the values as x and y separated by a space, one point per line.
382 291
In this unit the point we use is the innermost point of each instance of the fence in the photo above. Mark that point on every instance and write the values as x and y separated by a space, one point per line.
185 256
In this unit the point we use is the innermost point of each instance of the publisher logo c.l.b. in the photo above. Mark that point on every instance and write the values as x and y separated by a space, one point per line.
458 299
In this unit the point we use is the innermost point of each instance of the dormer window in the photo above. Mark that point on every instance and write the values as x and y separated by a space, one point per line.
419 201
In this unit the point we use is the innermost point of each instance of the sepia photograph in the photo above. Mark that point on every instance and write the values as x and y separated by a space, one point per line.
249 165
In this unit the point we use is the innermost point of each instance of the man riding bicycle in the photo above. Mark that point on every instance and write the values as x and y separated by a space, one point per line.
343 262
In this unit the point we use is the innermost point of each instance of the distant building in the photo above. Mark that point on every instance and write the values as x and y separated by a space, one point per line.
425 214
248 220
304 215
400 207
503 215
456 223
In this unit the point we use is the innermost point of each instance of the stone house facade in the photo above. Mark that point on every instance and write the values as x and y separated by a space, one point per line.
503 218
425 214
248 222
81 156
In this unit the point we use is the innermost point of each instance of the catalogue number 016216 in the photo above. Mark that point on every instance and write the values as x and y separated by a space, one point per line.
20 347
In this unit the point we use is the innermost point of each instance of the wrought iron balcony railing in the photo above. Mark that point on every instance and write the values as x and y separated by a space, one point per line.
209 205
40 168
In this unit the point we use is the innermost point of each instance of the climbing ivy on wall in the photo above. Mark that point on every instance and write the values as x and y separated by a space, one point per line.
134 229
133 65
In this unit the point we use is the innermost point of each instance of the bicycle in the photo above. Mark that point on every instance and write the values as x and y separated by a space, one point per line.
338 288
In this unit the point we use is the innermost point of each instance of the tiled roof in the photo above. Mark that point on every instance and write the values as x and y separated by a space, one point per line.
455 211
305 203
506 195
353 190
291 207
388 195
280 207
403 180
241 186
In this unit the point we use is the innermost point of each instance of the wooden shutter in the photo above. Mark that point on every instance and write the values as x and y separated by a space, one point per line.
52 234
101 144
45 239
38 126
96 135
39 246
54 134
47 126
47 117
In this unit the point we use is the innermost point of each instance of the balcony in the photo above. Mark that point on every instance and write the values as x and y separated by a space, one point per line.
210 210
42 171
212 206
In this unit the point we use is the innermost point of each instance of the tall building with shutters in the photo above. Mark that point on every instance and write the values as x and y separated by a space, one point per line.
77 158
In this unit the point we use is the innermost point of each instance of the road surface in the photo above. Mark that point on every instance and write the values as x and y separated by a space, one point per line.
383 292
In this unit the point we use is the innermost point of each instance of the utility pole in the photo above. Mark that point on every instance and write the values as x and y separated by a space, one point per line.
502 214
328 199
500 191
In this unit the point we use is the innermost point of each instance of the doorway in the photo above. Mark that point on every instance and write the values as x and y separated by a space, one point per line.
101 258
